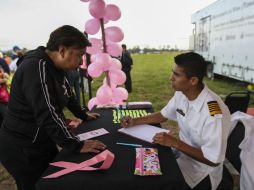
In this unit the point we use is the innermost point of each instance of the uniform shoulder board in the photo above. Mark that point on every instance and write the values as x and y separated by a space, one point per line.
214 108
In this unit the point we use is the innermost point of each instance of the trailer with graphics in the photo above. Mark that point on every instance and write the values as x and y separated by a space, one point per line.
224 35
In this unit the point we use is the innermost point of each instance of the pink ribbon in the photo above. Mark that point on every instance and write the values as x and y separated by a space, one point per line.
106 156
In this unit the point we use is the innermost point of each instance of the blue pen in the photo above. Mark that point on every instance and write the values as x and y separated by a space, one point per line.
129 144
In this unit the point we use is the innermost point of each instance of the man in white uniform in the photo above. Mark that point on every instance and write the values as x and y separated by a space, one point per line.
203 119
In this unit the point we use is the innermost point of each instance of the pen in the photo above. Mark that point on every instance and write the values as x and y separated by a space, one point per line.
129 144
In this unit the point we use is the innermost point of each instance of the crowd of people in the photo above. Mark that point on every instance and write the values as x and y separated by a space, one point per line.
8 66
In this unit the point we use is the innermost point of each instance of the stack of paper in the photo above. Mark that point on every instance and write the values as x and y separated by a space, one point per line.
143 132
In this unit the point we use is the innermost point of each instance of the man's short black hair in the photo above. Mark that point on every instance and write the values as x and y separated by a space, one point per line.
67 36
124 46
16 48
193 64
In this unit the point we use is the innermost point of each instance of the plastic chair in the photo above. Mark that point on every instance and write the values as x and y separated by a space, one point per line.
237 101
227 182
233 156
233 150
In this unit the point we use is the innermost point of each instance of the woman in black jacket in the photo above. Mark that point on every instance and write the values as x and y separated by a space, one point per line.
34 121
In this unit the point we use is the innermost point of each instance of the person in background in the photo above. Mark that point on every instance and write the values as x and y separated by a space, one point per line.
203 119
15 51
86 63
7 59
14 64
127 63
3 64
73 78
34 122
4 94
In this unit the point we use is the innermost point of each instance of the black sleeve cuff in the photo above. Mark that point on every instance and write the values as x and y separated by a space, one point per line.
74 146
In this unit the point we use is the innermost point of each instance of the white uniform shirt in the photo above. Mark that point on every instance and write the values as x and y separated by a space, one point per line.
202 126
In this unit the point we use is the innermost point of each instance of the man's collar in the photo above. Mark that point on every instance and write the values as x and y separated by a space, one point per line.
199 101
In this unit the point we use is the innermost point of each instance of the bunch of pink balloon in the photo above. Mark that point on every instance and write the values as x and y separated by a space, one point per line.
102 51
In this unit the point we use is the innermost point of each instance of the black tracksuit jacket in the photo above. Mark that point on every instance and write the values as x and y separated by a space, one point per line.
39 93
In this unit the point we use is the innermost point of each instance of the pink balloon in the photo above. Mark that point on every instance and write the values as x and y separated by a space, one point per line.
103 60
114 34
115 64
104 94
105 20
92 102
95 42
93 50
112 85
96 46
93 57
117 77
92 26
97 8
112 12
114 49
102 57
94 70
119 95
105 81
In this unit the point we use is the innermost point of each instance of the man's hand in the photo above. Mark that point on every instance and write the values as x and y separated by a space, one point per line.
92 146
92 116
127 121
165 139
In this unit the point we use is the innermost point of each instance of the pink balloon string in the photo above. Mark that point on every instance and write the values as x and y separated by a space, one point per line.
104 46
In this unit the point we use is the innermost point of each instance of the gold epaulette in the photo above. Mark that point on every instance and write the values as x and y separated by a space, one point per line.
214 108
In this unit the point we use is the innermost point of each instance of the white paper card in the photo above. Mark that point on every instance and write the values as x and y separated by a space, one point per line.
92 134
143 132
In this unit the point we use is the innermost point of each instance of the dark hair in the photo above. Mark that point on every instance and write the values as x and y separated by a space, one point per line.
16 48
124 46
68 36
193 64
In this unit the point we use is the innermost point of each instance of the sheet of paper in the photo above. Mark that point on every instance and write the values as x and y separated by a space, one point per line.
92 134
143 132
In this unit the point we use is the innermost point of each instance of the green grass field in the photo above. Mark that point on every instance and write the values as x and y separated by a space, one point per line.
150 76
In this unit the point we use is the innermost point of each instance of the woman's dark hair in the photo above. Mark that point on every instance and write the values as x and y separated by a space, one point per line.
67 36
193 64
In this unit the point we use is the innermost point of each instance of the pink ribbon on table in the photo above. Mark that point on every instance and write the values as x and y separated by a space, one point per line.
106 156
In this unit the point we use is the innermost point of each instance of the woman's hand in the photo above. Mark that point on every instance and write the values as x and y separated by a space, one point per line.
92 146
74 123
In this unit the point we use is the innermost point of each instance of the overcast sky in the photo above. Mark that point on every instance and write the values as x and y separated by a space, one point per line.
153 23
